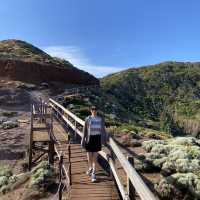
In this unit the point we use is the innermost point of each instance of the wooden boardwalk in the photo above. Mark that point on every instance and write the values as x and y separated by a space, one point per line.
81 186
73 181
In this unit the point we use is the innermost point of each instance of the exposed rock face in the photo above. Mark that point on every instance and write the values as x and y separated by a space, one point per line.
34 72
22 61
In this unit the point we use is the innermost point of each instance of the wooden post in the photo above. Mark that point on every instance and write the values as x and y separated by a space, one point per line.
75 132
60 192
60 167
51 142
67 126
70 170
51 151
40 111
69 138
57 114
45 112
110 170
31 140
130 188
112 156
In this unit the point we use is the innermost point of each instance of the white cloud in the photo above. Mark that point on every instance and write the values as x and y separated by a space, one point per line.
75 55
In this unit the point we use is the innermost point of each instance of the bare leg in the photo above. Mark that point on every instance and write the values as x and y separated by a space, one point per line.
94 161
89 157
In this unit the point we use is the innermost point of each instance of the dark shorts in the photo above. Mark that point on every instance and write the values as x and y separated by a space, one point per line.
94 144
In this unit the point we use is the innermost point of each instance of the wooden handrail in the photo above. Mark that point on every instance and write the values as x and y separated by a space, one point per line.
135 178
68 121
80 121
75 89
139 185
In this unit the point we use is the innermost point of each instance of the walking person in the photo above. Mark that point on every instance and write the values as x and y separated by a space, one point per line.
93 138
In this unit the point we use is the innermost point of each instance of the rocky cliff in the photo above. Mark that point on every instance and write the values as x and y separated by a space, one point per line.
24 62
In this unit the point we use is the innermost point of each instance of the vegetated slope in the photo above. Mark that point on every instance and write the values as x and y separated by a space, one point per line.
22 61
168 93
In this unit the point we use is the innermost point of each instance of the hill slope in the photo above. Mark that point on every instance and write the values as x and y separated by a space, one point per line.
22 61
168 93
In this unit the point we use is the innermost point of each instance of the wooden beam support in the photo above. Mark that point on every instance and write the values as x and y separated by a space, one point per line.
70 170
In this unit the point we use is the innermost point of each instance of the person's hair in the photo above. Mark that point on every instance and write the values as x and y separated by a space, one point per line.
93 108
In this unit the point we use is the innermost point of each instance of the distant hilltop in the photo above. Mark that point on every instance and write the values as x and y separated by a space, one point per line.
22 61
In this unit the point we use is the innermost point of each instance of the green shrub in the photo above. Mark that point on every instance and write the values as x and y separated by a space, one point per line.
5 171
159 162
164 188
9 114
183 141
43 175
148 145
3 180
188 181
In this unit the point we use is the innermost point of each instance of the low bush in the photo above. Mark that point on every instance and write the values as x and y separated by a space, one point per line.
9 124
40 178
9 114
179 162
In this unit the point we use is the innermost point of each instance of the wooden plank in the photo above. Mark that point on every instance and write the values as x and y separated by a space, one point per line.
116 176
83 188
39 125
41 136
120 186
39 115
59 133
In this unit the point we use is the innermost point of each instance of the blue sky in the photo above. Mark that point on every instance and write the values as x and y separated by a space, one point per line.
104 36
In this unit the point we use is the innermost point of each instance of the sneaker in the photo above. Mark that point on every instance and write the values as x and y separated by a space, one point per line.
89 172
93 177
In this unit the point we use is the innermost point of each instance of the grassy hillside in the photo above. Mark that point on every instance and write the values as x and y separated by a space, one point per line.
166 93
21 50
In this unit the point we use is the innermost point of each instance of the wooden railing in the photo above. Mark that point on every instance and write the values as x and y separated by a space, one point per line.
77 90
134 179
39 111
64 174
64 180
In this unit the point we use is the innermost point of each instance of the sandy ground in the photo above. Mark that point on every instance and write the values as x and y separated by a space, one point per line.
14 142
